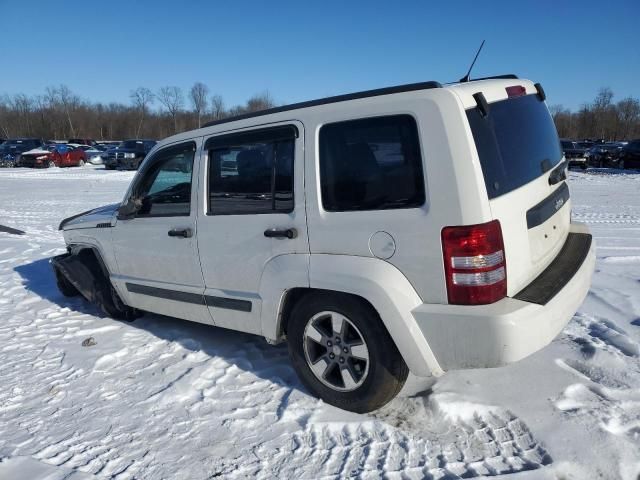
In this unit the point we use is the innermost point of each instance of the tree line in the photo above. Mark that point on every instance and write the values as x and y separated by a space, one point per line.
601 119
59 113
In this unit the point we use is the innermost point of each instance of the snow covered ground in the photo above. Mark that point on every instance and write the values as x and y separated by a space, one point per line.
163 398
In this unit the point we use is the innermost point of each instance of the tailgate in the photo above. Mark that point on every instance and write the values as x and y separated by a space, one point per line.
521 160
535 222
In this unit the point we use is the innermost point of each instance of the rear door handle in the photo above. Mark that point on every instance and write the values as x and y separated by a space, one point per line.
275 233
181 233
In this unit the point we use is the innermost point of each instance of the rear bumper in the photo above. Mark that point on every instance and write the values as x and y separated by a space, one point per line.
506 331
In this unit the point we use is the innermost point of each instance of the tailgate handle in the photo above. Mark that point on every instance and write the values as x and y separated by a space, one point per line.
559 174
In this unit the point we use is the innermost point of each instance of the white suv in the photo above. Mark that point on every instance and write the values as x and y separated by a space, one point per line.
417 228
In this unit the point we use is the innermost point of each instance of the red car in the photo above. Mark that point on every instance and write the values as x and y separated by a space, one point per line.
54 156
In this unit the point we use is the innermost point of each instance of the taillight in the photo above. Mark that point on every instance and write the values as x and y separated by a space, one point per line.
474 263
516 91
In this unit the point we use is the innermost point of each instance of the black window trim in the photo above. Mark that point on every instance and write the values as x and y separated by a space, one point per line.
254 134
182 146
421 163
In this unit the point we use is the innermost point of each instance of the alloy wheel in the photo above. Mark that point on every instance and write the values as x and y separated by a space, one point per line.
335 351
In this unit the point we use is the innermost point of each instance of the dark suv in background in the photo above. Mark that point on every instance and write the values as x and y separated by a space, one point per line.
11 150
604 155
574 154
128 155
630 155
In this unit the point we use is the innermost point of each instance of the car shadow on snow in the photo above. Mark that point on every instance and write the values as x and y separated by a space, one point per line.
249 352
38 277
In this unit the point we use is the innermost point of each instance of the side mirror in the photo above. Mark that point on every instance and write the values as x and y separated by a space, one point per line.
129 209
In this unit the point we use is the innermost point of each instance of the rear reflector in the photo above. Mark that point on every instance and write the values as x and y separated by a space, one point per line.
516 91
474 263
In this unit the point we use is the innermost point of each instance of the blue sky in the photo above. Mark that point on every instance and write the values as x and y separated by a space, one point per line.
302 50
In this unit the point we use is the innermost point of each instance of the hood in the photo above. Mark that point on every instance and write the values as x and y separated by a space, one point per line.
36 151
101 217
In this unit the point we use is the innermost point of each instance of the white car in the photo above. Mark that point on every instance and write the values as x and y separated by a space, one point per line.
419 228
94 155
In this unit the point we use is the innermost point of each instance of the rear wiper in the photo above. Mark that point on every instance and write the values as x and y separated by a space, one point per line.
559 174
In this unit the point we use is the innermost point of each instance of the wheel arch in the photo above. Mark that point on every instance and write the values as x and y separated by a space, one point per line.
378 284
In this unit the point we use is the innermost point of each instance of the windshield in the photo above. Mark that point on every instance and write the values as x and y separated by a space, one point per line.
15 147
517 142
132 145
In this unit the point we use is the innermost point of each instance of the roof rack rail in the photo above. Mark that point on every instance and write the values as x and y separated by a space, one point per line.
505 76
323 101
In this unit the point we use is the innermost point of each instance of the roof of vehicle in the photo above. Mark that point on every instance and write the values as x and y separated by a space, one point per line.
494 86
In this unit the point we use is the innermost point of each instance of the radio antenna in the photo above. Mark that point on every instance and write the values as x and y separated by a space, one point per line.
466 78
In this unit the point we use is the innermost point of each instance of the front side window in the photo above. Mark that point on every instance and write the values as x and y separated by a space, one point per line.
252 172
371 164
165 187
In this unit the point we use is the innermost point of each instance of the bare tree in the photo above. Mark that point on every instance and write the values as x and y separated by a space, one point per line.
217 107
629 115
141 97
69 102
198 96
262 101
173 101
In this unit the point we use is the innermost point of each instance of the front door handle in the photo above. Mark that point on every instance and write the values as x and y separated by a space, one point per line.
275 233
181 232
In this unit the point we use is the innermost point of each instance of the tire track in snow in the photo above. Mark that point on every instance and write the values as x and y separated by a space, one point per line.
162 398
607 392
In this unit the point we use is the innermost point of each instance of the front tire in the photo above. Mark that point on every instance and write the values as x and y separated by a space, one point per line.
64 285
113 306
342 352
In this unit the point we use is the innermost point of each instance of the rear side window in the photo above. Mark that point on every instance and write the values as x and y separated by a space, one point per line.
516 142
371 164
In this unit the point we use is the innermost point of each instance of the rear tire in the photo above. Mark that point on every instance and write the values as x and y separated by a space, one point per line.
81 163
51 164
332 364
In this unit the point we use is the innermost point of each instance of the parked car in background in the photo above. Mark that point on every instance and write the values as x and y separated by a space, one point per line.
56 155
12 149
604 155
630 155
574 154
81 141
95 155
129 154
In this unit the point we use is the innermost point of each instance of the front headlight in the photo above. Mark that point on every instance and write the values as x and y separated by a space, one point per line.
129 155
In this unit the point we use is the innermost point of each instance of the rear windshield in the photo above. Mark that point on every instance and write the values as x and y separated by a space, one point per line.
517 142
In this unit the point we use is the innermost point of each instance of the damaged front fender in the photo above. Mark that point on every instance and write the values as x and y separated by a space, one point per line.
84 270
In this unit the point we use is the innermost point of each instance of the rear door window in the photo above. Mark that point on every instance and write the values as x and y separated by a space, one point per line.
252 172
517 142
